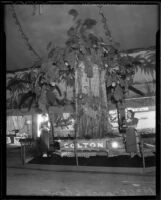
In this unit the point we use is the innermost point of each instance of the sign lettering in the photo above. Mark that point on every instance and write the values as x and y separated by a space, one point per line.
100 145
66 145
83 145
86 144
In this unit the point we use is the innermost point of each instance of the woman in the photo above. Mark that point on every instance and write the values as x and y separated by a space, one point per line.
131 120
132 137
44 136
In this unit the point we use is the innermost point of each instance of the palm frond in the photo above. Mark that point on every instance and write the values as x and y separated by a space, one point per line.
136 91
145 64
24 75
25 97
31 102
58 89
15 83
29 76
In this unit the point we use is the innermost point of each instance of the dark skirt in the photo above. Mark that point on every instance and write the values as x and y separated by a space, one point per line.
44 141
131 141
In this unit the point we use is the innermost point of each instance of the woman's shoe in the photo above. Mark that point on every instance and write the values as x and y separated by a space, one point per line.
139 154
44 155
132 154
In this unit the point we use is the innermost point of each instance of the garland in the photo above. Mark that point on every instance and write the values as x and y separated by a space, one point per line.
17 22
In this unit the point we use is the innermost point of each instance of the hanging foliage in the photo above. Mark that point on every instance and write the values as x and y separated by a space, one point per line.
74 13
105 26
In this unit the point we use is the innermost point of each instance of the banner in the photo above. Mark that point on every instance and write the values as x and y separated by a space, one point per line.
83 145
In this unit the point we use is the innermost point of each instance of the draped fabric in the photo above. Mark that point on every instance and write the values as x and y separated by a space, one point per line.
10 125
18 123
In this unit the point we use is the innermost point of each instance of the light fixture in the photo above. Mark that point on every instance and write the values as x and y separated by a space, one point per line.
114 144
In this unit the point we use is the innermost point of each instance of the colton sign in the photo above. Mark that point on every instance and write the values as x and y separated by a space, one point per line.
92 147
83 145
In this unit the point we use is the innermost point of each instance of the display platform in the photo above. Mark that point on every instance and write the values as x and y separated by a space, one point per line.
104 161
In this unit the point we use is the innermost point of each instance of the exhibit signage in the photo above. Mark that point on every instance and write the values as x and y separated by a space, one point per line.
90 145
93 147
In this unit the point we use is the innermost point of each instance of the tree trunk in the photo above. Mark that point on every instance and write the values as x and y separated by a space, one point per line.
120 114
92 108
66 88
51 119
34 126
76 119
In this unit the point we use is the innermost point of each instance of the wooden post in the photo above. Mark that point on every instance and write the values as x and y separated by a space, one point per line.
75 149
34 125
76 111
142 153
23 153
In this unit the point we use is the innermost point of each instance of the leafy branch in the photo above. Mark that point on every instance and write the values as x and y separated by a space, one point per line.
105 26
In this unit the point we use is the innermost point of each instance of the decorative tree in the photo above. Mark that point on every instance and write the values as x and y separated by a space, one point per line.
101 75
95 69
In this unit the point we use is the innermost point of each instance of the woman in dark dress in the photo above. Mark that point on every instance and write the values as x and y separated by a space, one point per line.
44 136
132 136
131 120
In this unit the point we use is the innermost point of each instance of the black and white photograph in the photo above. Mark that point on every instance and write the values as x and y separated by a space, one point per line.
81 99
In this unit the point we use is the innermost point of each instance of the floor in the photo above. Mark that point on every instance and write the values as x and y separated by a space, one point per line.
35 182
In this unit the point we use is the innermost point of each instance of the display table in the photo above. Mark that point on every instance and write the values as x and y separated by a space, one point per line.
17 140
10 139
13 139
26 141
26 146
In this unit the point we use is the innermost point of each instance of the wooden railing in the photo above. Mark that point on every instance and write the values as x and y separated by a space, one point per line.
27 145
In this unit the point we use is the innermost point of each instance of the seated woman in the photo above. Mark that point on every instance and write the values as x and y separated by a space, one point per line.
132 137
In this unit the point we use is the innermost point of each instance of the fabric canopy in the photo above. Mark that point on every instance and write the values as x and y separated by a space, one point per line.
133 26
